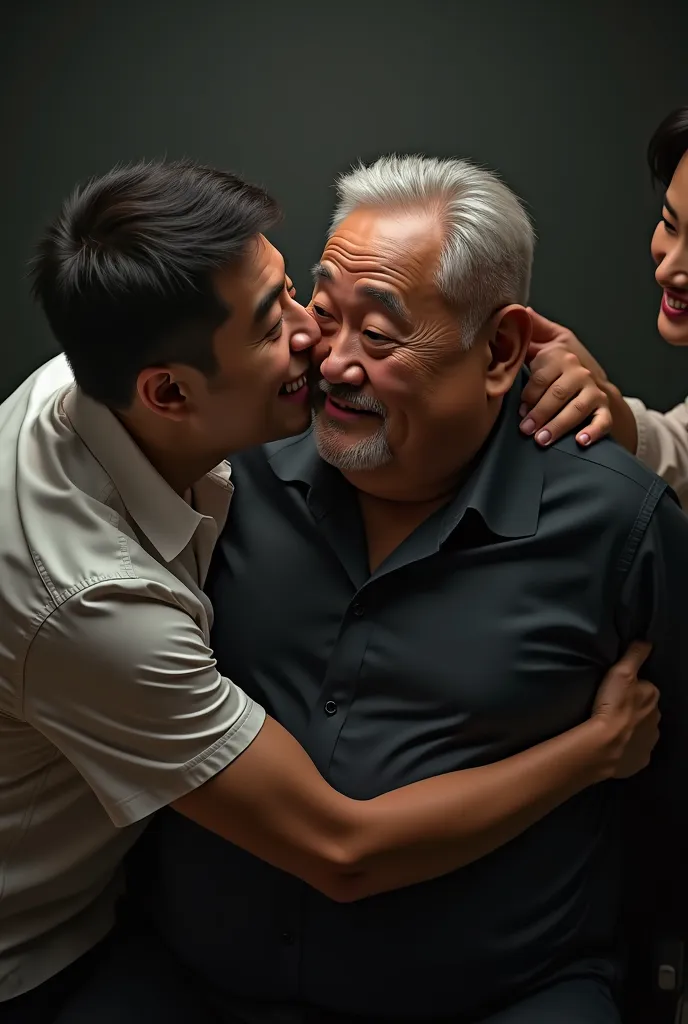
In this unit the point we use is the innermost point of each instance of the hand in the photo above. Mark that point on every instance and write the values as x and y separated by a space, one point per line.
565 388
627 708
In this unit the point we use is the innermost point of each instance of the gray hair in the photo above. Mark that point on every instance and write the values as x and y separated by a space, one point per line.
487 253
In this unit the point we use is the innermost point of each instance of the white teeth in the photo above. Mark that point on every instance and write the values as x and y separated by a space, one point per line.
675 304
295 385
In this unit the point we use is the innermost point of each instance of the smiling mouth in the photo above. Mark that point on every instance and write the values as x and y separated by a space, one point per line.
339 403
673 306
293 385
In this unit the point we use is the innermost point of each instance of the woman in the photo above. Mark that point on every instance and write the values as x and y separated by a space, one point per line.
568 385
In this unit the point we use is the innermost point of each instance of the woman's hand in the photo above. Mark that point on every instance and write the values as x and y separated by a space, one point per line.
566 387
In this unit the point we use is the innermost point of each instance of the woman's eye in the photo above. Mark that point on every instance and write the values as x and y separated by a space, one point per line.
320 311
291 290
669 226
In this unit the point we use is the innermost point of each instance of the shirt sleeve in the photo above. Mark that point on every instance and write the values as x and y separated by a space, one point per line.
119 678
663 444
654 606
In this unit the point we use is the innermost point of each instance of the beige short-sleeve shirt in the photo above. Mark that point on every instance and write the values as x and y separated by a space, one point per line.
111 705
663 444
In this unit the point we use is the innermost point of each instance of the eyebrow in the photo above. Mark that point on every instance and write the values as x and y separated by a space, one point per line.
267 302
320 272
391 302
670 208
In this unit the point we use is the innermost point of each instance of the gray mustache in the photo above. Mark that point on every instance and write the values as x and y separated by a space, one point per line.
352 396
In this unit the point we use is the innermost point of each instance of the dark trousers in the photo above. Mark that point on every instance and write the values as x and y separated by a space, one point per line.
43 1005
140 982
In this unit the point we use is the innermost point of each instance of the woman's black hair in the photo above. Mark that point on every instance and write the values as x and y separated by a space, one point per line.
668 145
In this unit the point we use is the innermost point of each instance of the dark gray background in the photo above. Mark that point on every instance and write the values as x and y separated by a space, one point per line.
561 97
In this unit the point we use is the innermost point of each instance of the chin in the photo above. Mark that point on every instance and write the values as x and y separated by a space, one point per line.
291 426
673 332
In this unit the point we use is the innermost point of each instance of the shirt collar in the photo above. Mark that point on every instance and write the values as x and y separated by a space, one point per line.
504 488
167 520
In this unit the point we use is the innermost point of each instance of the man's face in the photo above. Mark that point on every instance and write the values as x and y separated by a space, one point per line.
259 392
401 407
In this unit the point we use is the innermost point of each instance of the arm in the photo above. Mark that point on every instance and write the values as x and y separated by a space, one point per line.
654 605
273 802
662 443
568 385
122 683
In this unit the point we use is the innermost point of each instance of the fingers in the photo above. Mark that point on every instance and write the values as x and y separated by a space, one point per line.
634 659
543 329
547 367
600 425
621 681
563 404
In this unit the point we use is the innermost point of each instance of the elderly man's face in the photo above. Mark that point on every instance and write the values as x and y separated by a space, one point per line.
398 398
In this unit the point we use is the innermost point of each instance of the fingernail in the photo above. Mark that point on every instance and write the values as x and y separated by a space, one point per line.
544 437
584 439
523 409
528 426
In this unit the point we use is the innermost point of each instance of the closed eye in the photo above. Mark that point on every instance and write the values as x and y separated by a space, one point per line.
376 336
669 226
275 332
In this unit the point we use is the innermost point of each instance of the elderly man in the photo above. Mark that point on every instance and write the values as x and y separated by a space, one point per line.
411 587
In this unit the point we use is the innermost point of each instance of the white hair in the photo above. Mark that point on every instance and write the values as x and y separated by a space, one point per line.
487 252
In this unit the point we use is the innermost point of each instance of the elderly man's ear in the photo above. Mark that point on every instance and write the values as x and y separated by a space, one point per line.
506 345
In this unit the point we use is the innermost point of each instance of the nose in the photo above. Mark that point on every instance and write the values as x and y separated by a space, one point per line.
338 361
672 266
305 333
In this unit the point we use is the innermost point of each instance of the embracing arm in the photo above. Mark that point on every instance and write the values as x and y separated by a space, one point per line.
121 681
273 802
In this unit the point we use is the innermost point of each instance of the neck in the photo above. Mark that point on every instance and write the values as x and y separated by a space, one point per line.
392 486
169 456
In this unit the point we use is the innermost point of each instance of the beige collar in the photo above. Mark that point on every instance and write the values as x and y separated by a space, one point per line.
166 519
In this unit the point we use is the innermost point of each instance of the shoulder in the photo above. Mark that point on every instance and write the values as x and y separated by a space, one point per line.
65 529
606 465
602 500
120 620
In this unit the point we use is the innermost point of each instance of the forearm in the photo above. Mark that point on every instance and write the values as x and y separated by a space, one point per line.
624 427
442 824
273 802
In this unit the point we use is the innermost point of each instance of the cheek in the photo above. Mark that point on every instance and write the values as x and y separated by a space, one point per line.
319 352
394 383
658 245
274 364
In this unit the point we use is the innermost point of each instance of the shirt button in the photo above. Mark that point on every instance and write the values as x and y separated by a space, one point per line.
357 609
330 708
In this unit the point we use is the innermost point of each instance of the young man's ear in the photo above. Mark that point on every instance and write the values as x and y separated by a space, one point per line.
163 391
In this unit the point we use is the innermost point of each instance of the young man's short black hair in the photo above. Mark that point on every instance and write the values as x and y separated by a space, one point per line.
668 145
124 272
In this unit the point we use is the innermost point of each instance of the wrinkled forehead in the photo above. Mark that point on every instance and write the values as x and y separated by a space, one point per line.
399 248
